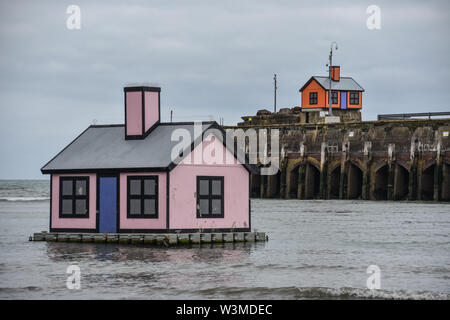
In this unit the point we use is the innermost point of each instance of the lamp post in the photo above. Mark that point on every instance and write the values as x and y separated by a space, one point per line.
330 112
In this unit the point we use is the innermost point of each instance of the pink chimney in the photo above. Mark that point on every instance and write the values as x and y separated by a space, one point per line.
142 111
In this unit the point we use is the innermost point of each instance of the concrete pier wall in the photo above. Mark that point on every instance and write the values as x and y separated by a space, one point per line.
376 160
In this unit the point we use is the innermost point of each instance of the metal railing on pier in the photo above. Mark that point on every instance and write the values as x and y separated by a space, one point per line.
400 116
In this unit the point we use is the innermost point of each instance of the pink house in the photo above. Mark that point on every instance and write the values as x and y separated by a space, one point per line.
124 178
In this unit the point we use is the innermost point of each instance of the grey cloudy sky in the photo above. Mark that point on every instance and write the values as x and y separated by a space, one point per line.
211 58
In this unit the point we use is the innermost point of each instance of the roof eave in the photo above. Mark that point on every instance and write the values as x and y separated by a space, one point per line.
214 125
314 78
104 170
43 170
309 81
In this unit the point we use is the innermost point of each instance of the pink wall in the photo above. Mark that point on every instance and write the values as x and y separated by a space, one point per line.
151 109
134 113
159 223
183 181
74 223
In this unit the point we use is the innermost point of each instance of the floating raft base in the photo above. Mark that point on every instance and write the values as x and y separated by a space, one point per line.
167 240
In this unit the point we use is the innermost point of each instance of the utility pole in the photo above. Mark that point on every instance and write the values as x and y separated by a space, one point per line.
330 108
275 93
171 115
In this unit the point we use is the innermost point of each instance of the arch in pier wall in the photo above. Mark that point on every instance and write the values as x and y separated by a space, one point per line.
404 164
332 165
334 176
314 162
427 182
401 182
354 181
428 164
378 165
445 189
255 180
312 181
357 162
273 185
380 185
292 172
292 185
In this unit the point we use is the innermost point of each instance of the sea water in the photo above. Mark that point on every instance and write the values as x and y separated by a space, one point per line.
317 249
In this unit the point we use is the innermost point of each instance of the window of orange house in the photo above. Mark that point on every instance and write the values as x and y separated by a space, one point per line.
334 97
354 98
313 98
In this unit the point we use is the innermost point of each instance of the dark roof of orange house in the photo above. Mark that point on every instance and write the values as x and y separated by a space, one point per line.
344 84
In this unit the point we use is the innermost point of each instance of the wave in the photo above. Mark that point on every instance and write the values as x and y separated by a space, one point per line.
319 293
360 293
24 198
20 289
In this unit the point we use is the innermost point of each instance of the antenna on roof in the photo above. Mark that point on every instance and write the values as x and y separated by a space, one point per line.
275 93
330 112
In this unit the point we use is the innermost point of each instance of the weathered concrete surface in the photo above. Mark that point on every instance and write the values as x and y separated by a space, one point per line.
295 115
377 160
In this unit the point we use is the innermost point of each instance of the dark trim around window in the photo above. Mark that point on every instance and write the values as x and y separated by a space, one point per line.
313 98
334 97
72 199
354 98
141 197
210 197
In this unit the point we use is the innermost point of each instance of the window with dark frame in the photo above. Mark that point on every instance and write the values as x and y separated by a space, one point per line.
74 197
313 98
354 98
142 197
210 197
334 97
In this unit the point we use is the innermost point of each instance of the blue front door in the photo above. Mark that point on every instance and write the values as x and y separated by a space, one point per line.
343 100
108 204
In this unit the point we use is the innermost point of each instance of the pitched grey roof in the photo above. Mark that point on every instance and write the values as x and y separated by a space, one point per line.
344 83
105 147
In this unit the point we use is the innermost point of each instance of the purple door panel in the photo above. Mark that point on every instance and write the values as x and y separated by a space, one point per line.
343 100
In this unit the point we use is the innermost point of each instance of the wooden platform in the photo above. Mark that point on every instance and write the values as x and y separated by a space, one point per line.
167 240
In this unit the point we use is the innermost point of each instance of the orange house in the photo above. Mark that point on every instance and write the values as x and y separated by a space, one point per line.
346 93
